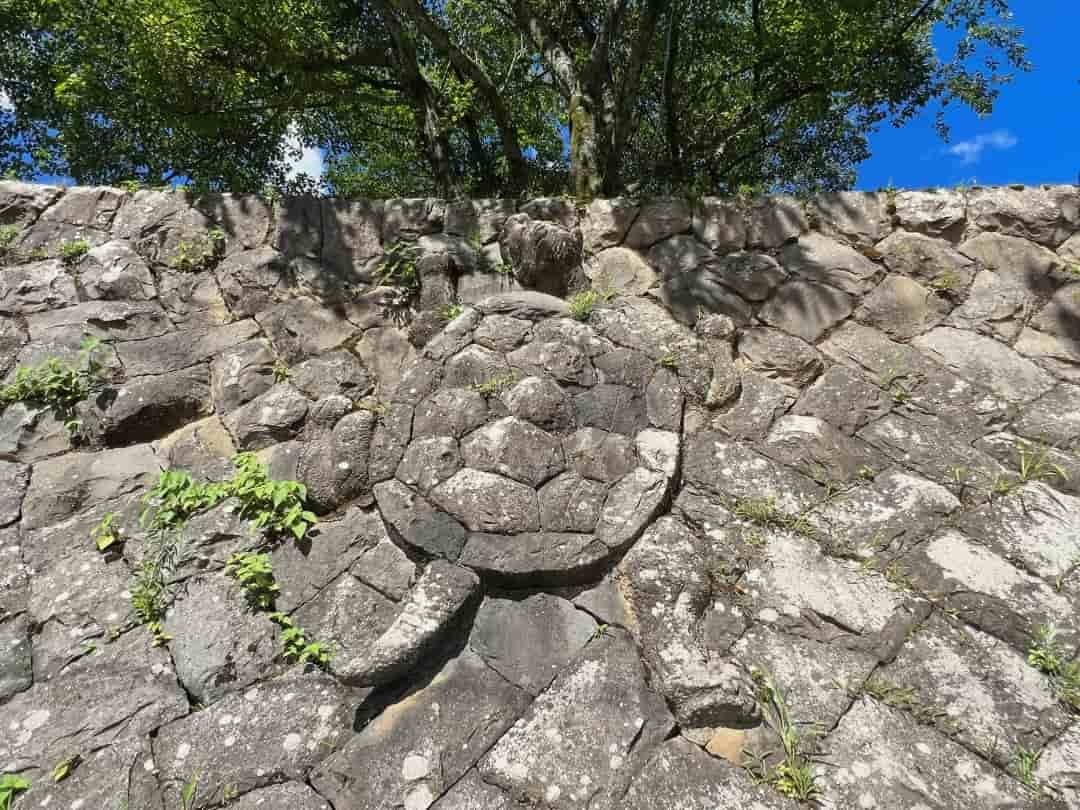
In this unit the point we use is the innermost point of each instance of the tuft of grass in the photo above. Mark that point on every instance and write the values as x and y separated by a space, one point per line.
583 304
8 235
281 371
74 250
765 513
1035 464
1047 656
1025 760
398 270
496 385
901 697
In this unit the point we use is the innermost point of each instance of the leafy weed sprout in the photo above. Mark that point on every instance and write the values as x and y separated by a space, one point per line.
583 304
255 575
1047 656
56 384
277 506
105 535
71 252
794 775
64 767
297 647
10 784
201 253
450 312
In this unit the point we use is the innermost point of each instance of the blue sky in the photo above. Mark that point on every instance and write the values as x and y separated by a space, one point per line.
1033 135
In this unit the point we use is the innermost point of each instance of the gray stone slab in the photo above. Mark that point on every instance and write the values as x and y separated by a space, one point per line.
278 729
596 720
417 748
529 641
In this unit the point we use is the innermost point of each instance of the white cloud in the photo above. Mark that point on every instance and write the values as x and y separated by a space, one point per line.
971 151
305 159
5 102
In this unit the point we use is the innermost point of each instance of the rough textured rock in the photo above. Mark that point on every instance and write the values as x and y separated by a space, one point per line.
844 399
720 224
65 485
930 261
418 522
934 213
218 644
680 776
148 408
857 217
902 308
877 753
622 269
530 641
666 589
598 718
416 749
806 309
658 220
542 254
606 223
119 691
816 449
816 258
986 362
440 593
275 416
779 356
275 730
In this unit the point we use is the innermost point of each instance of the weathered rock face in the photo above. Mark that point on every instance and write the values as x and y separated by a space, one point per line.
825 445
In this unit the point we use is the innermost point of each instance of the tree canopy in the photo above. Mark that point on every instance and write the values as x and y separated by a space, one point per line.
484 97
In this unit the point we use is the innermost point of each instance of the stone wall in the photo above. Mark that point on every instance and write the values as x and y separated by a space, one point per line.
835 442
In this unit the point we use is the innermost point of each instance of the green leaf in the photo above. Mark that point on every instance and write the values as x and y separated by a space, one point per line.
64 768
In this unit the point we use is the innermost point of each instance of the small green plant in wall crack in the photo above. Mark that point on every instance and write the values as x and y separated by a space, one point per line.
296 646
582 305
793 776
56 384
105 534
10 784
277 506
255 575
1047 656
71 252
201 253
